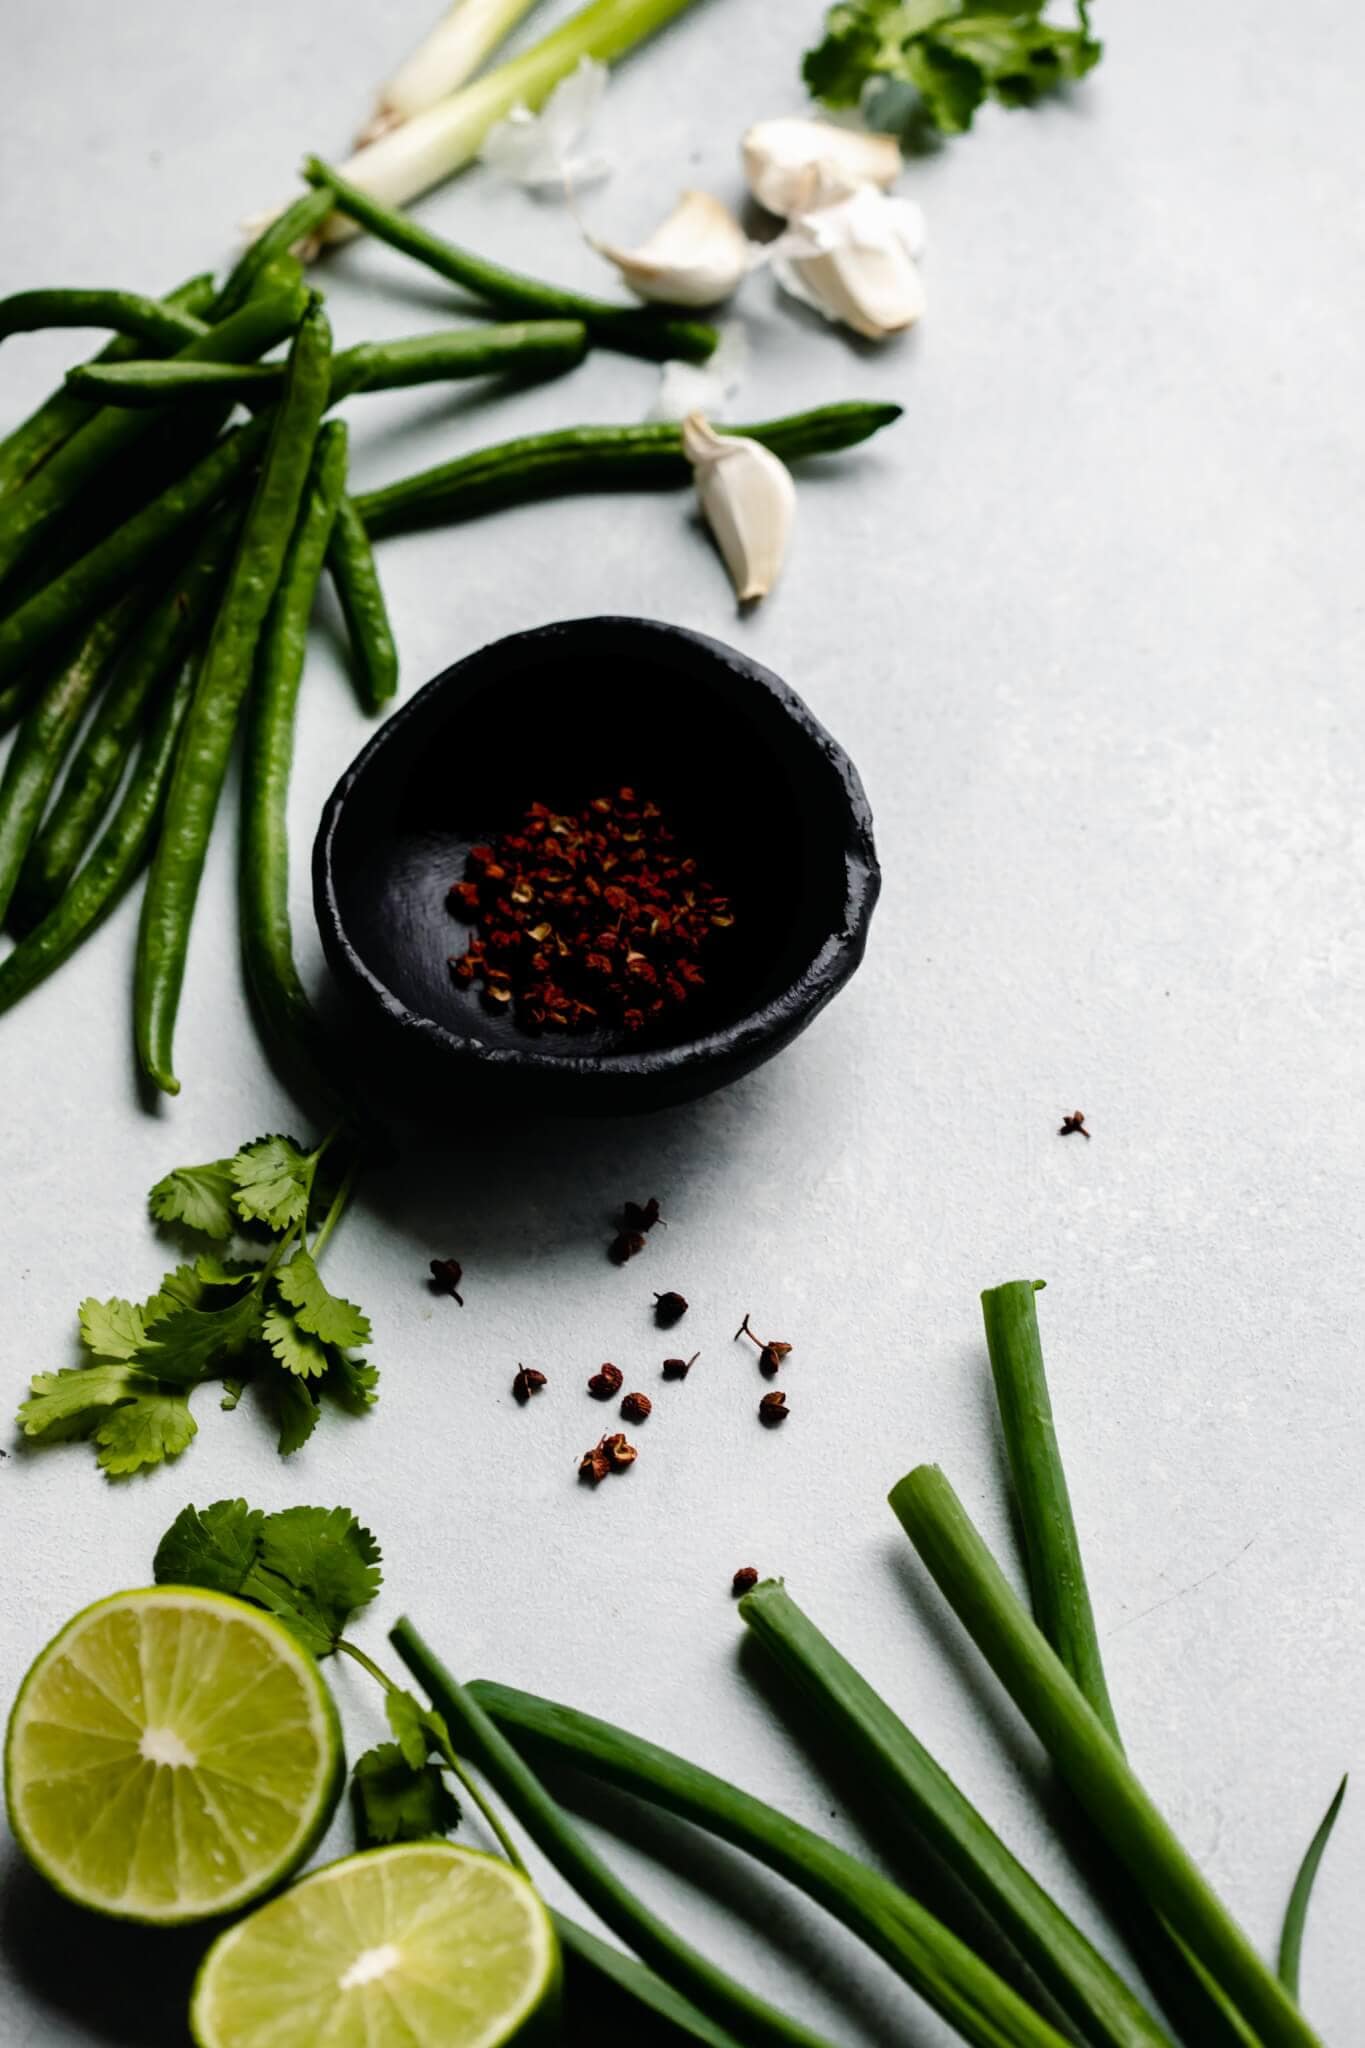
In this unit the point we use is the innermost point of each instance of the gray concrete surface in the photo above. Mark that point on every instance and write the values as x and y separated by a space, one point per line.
1090 622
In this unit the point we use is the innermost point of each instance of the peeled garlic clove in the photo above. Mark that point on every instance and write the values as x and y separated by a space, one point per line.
695 258
854 262
748 499
795 165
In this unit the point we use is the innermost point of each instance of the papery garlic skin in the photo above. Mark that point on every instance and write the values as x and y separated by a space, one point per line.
547 151
697 257
855 262
796 165
708 387
748 500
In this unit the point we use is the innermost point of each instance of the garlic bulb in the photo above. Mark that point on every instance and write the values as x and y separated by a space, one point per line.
694 258
748 500
796 165
855 262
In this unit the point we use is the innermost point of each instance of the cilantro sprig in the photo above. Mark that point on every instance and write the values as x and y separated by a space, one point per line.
250 1305
315 1568
926 66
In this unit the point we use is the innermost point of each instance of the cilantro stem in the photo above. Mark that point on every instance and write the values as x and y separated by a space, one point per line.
472 1790
338 1207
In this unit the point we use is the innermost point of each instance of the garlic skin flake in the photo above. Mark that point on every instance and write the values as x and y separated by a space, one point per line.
697 257
546 152
748 500
795 165
708 387
855 262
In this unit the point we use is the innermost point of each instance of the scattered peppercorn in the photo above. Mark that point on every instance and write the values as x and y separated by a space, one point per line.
446 1275
773 1408
744 1580
637 1217
624 1246
594 1465
1072 1123
679 1368
636 1408
669 1309
605 1382
527 1382
770 1355
587 917
619 1452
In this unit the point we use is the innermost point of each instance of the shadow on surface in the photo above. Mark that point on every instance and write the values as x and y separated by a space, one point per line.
123 1986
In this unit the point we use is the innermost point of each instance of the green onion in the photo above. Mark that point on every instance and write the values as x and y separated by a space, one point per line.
904 1777
432 146
443 60
1088 1759
1291 1939
897 1927
1062 1609
758 2024
599 1959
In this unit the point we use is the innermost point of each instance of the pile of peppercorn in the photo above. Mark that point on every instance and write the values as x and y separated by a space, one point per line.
591 917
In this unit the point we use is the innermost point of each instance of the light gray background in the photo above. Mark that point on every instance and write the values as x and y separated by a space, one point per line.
1090 623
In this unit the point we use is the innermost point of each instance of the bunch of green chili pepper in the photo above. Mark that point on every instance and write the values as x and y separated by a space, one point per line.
160 551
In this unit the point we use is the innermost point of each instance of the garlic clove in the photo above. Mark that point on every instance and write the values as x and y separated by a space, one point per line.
854 262
796 165
696 257
748 500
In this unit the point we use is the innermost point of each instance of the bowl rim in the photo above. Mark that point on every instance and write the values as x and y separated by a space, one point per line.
806 992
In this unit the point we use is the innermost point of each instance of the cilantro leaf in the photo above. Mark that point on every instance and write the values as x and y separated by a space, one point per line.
353 1382
154 1425
417 1730
112 1329
296 1351
394 1803
295 1409
64 1404
186 1344
325 1315
214 1547
273 1179
200 1197
952 54
317 1566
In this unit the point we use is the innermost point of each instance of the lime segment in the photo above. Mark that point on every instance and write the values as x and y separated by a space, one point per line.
171 1754
423 1945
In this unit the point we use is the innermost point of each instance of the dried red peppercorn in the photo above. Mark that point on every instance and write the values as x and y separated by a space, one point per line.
744 1580
636 1408
625 1246
446 1275
605 1382
679 1368
640 1216
588 917
620 1454
527 1382
669 1309
773 1408
770 1355
1073 1123
594 1465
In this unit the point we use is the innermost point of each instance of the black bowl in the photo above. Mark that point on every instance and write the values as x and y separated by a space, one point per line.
750 781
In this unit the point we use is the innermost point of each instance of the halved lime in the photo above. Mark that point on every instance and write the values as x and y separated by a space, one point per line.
171 1754
423 1945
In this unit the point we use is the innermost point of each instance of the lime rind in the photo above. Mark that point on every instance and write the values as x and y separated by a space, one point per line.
263 1804
423 1944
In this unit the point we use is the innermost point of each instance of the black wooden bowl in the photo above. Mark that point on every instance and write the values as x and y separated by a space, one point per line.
750 781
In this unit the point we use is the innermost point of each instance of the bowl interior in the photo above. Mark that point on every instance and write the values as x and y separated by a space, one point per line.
740 771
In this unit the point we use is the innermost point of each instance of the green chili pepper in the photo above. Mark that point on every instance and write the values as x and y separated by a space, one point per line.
29 513
114 862
350 560
594 458
156 652
525 347
128 313
629 328
57 418
173 885
65 603
263 885
48 730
